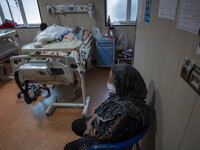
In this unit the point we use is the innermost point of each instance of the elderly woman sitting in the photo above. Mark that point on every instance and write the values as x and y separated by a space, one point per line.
120 117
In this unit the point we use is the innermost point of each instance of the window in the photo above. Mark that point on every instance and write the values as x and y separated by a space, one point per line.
0 21
25 12
121 12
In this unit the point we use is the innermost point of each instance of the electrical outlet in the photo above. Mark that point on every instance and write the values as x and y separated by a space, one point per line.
185 70
194 80
82 8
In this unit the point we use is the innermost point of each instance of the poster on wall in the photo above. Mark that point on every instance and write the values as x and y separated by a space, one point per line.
147 11
189 16
167 9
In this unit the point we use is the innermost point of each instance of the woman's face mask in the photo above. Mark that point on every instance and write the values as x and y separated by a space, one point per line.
111 88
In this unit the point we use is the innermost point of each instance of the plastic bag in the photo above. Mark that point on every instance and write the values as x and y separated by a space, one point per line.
122 42
50 33
96 32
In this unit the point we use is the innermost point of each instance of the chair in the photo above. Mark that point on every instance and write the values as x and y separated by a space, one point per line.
126 145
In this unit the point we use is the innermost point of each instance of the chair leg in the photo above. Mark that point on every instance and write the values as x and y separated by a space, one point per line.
137 146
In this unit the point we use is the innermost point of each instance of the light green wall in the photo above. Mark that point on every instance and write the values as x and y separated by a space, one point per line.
159 53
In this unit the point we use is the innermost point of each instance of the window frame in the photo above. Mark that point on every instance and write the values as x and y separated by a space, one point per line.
128 16
23 14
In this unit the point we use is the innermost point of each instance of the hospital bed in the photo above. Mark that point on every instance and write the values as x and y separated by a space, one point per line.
52 64
7 46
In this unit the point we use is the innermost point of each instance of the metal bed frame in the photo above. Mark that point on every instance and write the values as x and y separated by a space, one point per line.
84 53
7 47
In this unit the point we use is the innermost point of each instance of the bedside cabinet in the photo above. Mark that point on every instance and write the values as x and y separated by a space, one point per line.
105 52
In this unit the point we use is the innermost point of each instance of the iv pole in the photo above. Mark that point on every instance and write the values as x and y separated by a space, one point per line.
17 33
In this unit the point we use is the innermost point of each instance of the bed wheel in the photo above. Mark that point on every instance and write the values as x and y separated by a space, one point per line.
78 92
19 95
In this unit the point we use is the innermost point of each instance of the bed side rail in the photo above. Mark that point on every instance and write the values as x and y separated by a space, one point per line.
17 61
85 50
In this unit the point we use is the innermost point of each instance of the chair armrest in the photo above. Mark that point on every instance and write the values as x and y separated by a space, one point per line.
102 147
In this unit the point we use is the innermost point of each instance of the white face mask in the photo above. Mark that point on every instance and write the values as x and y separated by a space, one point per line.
111 88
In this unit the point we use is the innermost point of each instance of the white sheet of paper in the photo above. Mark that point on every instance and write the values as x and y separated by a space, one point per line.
167 9
189 16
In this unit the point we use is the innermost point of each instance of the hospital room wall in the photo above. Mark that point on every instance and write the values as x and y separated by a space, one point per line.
82 19
159 53
27 35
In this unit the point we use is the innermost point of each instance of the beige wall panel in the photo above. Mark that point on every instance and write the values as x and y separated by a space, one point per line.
26 35
172 50
183 97
43 12
192 133
145 47
193 130
159 50
159 53
144 51
190 46
180 109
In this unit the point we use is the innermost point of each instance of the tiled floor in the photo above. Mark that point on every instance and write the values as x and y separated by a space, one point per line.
26 127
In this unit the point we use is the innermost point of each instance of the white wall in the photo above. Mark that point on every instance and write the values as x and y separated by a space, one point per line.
27 35
159 53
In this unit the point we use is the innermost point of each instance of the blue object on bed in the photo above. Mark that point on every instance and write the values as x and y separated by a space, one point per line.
77 35
60 37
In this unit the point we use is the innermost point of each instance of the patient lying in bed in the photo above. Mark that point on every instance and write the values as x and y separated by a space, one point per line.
74 35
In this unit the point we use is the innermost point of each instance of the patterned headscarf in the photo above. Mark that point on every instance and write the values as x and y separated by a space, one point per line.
128 81
129 98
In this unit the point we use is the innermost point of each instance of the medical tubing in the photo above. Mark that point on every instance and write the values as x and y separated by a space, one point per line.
27 99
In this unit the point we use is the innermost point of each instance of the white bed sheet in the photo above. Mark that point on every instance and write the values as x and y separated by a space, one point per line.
54 46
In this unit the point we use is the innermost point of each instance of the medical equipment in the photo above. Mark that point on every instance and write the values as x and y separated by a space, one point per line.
71 8
35 91
34 88
7 46
55 68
